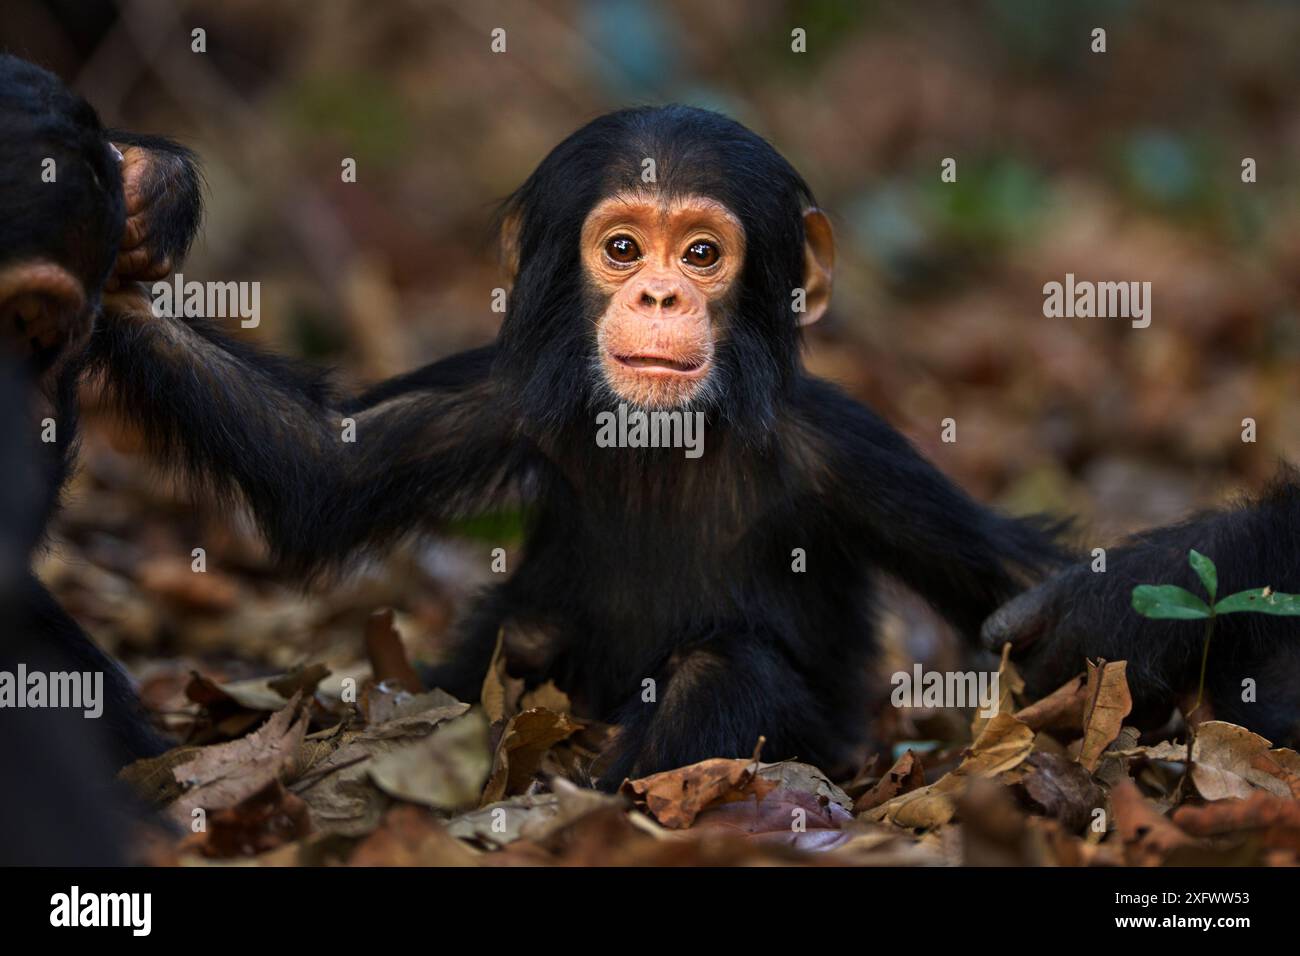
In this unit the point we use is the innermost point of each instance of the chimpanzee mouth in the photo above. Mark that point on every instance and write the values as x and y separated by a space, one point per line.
659 363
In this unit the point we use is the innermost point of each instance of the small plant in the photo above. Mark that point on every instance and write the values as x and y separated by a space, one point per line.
1170 602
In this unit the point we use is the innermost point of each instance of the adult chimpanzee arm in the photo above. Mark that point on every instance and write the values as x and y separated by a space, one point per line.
323 477
906 518
1082 613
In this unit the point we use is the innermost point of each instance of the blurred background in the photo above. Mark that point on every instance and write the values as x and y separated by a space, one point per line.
1122 166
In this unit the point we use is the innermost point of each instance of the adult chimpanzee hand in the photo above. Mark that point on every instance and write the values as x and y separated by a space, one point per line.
1044 638
162 189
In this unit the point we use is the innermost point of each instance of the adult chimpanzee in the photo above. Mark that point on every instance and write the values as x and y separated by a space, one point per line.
1080 614
657 256
62 221
58 805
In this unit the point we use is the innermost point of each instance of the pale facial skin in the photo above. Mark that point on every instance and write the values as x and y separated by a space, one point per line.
667 264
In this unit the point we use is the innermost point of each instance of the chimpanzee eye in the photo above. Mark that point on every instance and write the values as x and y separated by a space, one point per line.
701 254
623 249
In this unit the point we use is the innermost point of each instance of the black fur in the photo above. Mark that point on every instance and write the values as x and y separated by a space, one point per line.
639 564
77 220
58 805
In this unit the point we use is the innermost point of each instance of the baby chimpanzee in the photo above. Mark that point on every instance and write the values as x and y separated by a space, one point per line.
663 261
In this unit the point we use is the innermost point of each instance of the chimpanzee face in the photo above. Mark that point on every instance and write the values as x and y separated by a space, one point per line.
661 257
666 268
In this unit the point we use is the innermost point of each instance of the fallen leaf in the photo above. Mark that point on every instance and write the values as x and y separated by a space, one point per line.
1005 743
676 797
1063 709
262 821
1273 820
1109 703
527 737
1062 789
333 768
411 836
446 770
224 774
1147 836
501 692
387 655
904 776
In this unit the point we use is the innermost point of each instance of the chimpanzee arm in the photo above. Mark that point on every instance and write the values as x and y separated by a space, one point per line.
1081 613
323 477
900 513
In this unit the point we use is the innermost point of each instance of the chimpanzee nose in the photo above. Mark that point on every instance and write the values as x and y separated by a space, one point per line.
658 295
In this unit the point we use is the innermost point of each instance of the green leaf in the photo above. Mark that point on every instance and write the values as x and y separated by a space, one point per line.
1169 602
1206 571
1256 600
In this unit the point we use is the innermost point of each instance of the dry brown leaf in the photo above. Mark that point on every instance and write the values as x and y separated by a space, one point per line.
333 767
676 797
904 776
1147 836
224 774
789 817
262 694
446 770
260 822
527 737
1063 709
387 655
501 692
384 704
1109 703
1231 761
1062 789
1005 743
1010 684
1274 820
411 836
546 697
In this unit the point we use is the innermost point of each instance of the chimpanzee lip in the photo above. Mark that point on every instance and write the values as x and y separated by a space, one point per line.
659 363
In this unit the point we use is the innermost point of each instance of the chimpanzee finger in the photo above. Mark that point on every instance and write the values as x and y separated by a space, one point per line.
139 264
134 233
1022 620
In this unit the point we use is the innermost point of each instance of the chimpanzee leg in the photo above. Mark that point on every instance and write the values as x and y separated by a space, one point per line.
715 699
127 729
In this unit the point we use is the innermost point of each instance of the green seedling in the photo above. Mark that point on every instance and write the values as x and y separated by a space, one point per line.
1172 603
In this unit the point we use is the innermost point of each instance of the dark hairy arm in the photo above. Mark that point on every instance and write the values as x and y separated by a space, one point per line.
905 517
324 475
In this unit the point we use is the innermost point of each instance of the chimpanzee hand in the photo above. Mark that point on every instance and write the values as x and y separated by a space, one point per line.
1080 614
162 188
1047 643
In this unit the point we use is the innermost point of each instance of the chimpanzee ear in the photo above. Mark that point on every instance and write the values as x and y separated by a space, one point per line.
818 265
42 311
511 226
